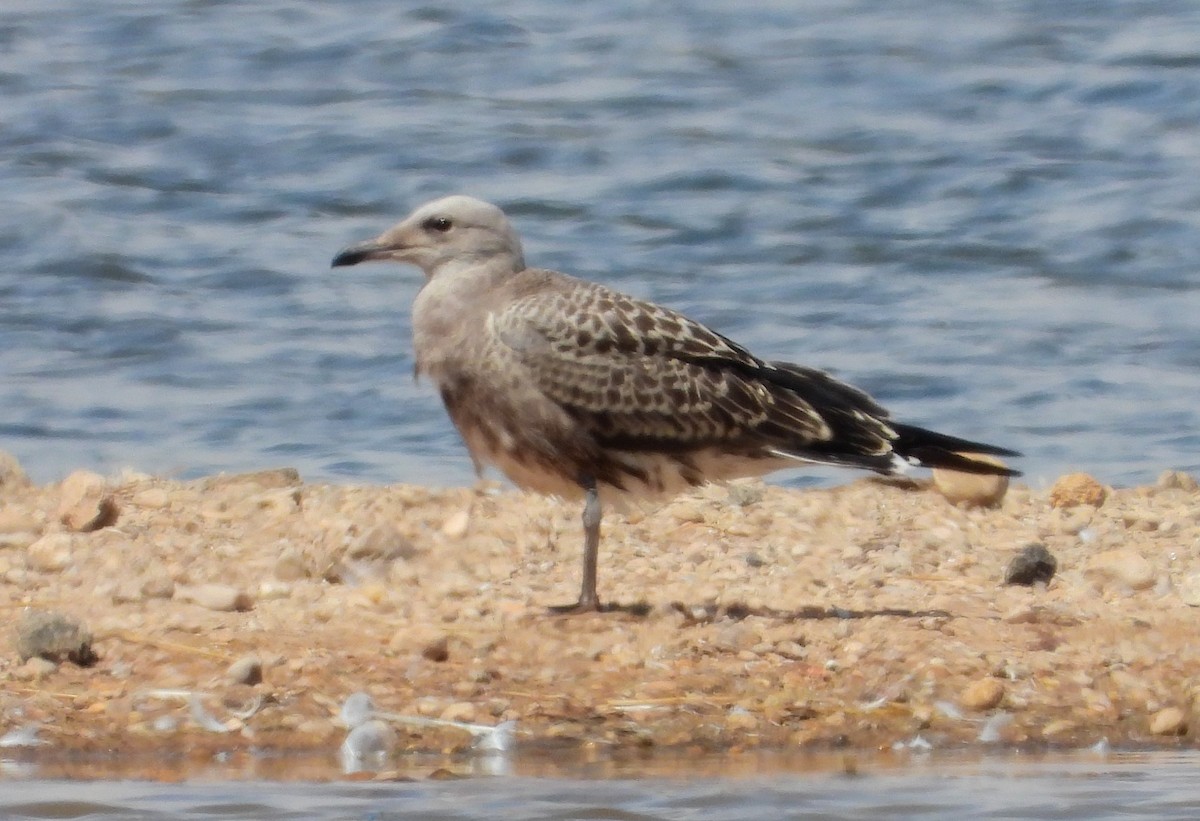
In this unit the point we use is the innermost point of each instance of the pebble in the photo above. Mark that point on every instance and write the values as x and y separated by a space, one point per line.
1057 727
17 541
455 526
983 694
36 669
1189 590
368 742
51 553
153 498
1034 563
382 543
16 520
86 502
1077 489
271 589
24 736
269 478
463 711
290 565
246 670
125 592
746 493
437 650
158 585
277 503
11 474
356 709
1123 566
55 636
739 718
1169 721
220 597
972 489
1178 480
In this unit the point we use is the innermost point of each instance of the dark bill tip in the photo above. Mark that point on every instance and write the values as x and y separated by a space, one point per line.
358 253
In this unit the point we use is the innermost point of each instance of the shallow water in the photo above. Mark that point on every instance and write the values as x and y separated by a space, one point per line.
985 213
1083 786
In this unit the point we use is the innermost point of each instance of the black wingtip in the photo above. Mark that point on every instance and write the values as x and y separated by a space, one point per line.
939 450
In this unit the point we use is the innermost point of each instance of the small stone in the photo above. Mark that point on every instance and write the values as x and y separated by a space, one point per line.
17 541
382 543
246 670
18 520
270 590
1034 563
437 650
1178 480
1077 489
1189 590
460 711
36 669
158 585
1057 727
52 635
746 493
1169 721
126 592
86 502
688 512
740 718
1123 566
220 597
983 694
368 741
51 553
153 498
277 503
455 527
972 489
290 565
264 479
11 474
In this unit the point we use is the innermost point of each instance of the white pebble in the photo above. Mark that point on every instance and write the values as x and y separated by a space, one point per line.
990 733
26 736
51 553
368 743
356 709
220 597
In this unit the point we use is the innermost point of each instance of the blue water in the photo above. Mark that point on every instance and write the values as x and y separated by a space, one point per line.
1127 787
984 212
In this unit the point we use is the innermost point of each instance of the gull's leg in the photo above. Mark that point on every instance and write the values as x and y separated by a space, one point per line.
588 601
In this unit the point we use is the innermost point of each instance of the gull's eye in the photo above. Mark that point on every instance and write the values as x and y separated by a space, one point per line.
438 224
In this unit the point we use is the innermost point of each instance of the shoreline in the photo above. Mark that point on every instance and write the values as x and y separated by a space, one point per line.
859 617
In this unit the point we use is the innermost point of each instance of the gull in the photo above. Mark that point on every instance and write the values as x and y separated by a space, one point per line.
573 389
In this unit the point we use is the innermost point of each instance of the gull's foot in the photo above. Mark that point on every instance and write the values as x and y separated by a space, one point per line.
584 605
638 609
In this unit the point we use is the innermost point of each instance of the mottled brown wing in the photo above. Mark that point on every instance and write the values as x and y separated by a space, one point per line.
641 376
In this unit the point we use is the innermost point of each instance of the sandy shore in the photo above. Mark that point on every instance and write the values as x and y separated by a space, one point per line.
866 616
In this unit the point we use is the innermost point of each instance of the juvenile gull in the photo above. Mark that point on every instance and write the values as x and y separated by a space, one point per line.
573 389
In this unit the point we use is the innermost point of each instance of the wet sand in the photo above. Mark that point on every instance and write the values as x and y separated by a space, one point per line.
868 616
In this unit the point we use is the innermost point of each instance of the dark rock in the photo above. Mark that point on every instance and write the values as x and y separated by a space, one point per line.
1033 564
55 636
246 670
438 650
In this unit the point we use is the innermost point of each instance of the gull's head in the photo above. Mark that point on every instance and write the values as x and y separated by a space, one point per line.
448 233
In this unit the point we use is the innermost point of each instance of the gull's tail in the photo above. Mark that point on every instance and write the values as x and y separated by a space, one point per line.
930 449
862 434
